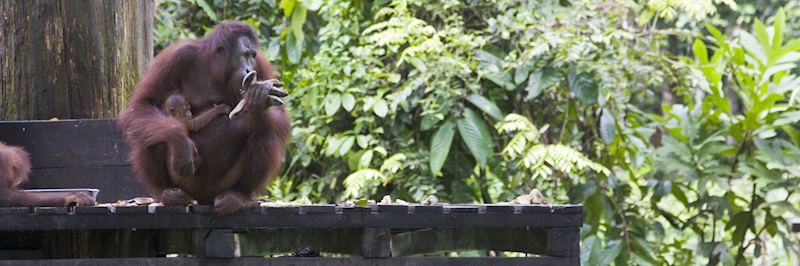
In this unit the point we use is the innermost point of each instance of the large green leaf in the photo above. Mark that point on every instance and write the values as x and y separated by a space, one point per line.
440 146
334 143
589 249
294 46
207 9
740 223
759 171
365 159
608 129
313 5
492 68
347 144
761 34
715 32
793 133
782 207
486 106
287 6
534 87
476 135
363 141
521 73
380 108
348 101
608 254
582 85
540 80
298 19
332 103
752 46
700 51
777 28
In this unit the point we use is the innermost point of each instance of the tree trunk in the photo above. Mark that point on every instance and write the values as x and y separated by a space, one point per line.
71 59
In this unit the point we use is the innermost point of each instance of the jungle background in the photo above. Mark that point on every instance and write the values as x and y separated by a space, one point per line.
673 122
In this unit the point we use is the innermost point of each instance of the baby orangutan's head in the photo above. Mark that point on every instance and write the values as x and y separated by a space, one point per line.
177 106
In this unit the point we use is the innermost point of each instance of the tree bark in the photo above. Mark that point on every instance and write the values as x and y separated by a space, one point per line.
71 59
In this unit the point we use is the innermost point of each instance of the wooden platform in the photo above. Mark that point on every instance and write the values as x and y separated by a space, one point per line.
91 154
306 216
418 261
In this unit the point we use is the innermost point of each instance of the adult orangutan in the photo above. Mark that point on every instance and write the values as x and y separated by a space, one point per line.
239 155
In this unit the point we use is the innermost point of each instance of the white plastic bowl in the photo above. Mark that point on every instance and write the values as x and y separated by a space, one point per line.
89 191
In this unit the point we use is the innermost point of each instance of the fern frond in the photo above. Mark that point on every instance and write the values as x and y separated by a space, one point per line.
393 164
516 146
356 182
516 123
559 158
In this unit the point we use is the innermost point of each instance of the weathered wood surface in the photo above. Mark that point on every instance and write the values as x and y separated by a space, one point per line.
68 143
377 231
71 59
76 154
416 261
427 241
310 216
91 153
263 242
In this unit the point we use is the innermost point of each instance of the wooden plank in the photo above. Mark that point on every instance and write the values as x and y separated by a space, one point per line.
427 209
385 208
172 210
268 242
177 241
319 208
564 242
376 243
549 208
114 182
281 241
131 210
202 209
88 153
355 209
84 210
280 210
50 210
500 209
372 242
319 261
461 209
428 241
19 240
16 210
222 243
68 143
94 243
65 244
208 219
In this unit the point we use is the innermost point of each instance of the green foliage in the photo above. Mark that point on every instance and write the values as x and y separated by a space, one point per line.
440 146
730 160
538 159
691 9
680 141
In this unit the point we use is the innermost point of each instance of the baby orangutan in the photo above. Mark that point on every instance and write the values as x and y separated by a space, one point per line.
177 106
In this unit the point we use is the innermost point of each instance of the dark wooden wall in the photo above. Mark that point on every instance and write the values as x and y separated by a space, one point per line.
76 154
71 58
